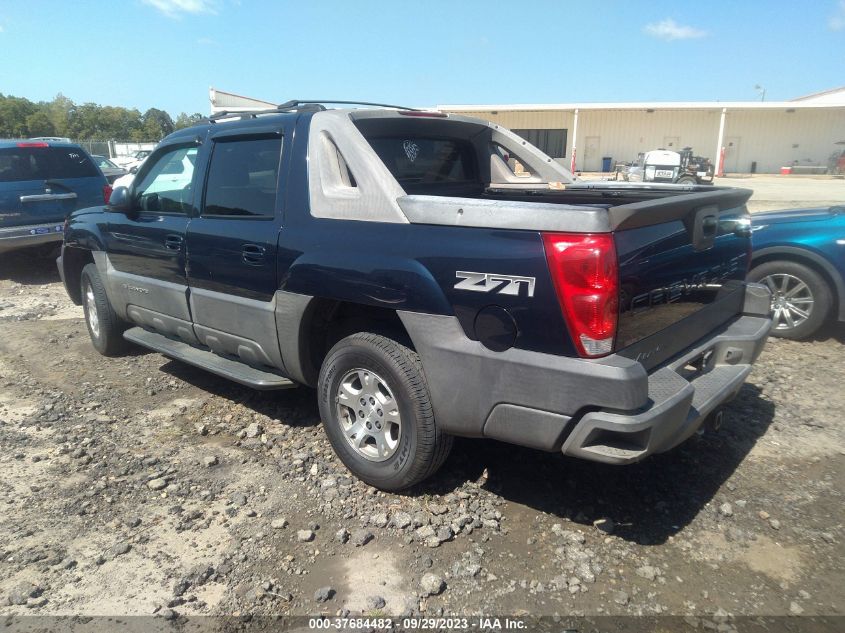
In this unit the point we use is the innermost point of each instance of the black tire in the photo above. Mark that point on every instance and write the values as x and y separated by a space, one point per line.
822 297
421 448
106 331
687 180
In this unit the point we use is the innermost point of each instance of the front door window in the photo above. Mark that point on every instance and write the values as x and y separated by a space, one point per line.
166 186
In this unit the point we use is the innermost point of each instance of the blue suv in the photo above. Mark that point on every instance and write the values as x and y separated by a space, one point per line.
41 183
800 255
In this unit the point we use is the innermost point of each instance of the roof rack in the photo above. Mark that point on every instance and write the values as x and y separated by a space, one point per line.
299 106
320 102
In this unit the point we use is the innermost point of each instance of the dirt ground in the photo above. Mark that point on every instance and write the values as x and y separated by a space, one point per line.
138 485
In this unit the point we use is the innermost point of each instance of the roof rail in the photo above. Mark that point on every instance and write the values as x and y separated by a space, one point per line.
295 103
300 106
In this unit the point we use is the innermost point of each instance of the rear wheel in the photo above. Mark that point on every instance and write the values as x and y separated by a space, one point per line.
801 298
376 410
687 180
104 326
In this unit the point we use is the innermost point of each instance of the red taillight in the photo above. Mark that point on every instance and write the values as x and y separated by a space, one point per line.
34 144
107 189
586 278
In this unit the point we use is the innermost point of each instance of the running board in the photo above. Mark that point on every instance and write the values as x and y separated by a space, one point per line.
231 369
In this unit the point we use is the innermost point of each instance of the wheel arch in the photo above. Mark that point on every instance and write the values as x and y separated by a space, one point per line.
73 261
309 327
812 260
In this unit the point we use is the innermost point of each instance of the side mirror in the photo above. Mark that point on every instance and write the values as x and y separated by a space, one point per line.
133 169
120 200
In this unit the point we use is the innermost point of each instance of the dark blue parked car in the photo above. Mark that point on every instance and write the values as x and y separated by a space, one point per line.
41 183
800 255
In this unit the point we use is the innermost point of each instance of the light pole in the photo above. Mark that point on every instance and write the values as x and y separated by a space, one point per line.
761 91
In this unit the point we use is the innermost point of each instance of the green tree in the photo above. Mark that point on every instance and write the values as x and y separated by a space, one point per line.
157 124
21 117
60 110
119 123
85 122
187 120
13 114
39 124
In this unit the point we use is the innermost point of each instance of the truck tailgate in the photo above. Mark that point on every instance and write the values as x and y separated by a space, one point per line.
682 265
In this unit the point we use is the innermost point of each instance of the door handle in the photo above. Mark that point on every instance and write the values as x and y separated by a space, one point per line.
44 197
253 254
173 242
743 228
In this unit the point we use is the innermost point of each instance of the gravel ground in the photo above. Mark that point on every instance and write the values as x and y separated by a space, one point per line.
139 485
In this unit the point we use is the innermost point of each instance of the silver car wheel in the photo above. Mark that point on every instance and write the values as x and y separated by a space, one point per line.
368 415
792 300
91 312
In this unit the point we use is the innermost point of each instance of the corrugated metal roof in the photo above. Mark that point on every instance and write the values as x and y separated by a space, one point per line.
829 96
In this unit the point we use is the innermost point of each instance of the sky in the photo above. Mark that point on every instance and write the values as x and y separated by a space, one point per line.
167 53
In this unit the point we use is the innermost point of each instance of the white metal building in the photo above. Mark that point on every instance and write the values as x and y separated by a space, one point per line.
755 136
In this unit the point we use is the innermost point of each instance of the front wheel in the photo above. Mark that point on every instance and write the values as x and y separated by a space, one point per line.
376 410
801 298
104 326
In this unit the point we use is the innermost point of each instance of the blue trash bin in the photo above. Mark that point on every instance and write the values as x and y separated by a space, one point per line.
606 163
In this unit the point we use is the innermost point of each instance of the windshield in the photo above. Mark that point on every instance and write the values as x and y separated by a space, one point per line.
104 163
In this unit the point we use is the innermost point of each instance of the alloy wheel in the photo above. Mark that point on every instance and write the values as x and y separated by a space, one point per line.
91 312
368 414
792 300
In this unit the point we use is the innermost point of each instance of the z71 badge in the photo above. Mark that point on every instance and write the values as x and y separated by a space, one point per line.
493 282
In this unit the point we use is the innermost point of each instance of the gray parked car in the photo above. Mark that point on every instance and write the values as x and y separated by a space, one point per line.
111 171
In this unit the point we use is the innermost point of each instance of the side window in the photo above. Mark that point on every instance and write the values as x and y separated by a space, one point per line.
242 178
166 187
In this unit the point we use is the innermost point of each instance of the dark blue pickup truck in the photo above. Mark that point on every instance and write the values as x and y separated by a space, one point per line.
431 275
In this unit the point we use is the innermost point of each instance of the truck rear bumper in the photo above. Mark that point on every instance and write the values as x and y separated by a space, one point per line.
609 409
680 397
15 237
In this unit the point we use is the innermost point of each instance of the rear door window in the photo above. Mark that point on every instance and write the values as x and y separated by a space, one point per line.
242 178
418 159
41 163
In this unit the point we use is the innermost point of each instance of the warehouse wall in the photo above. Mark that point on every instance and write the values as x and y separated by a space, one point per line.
768 137
620 134
775 138
623 134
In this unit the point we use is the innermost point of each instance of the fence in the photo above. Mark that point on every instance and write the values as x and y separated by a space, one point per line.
98 148
124 149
